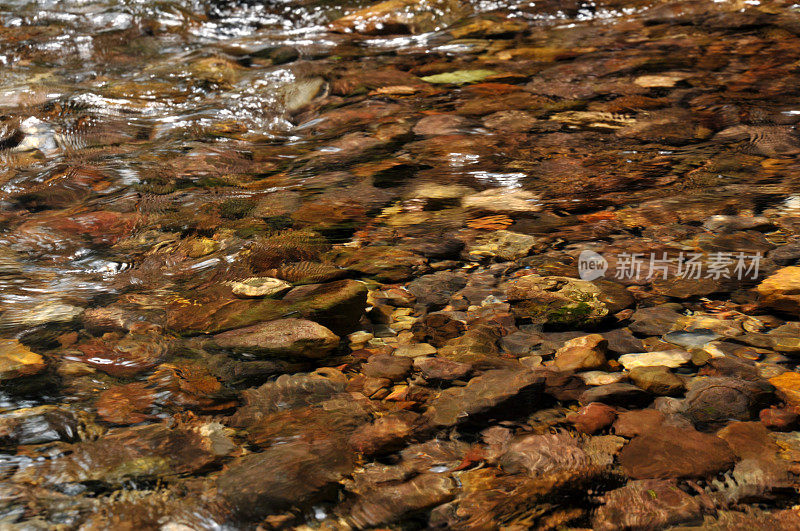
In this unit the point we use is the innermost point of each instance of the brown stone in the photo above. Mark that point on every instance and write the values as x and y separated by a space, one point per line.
593 418
675 453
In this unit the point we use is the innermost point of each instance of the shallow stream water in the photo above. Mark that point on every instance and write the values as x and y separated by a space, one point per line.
411 264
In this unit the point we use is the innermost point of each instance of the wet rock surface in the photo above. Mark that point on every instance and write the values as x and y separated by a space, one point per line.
399 265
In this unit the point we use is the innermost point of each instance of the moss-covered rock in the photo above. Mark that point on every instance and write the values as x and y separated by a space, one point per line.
558 301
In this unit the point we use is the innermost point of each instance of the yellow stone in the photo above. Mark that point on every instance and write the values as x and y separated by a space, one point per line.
17 360
788 386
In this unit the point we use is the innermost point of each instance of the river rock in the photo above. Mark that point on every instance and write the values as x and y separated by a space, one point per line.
441 369
657 381
780 419
582 353
46 424
717 400
284 476
438 328
17 360
401 16
390 502
281 338
337 305
436 290
664 358
385 434
492 390
126 403
288 391
503 244
382 262
781 290
503 201
592 418
646 504
387 366
558 300
41 314
637 422
616 394
260 287
414 350
140 452
541 454
655 321
787 387
440 124
675 453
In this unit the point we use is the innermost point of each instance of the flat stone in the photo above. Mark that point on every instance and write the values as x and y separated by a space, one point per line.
504 244
482 394
387 366
622 341
390 502
675 453
601 377
415 350
787 387
536 455
284 337
441 369
41 314
691 338
385 434
17 360
646 504
637 422
780 419
46 424
781 290
284 475
503 201
657 380
338 305
561 301
665 358
582 353
655 321
617 394
260 287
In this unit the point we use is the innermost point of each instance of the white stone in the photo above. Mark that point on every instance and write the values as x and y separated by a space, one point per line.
601 377
665 358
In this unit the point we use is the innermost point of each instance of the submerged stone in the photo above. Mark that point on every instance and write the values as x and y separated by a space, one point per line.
281 338
17 360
